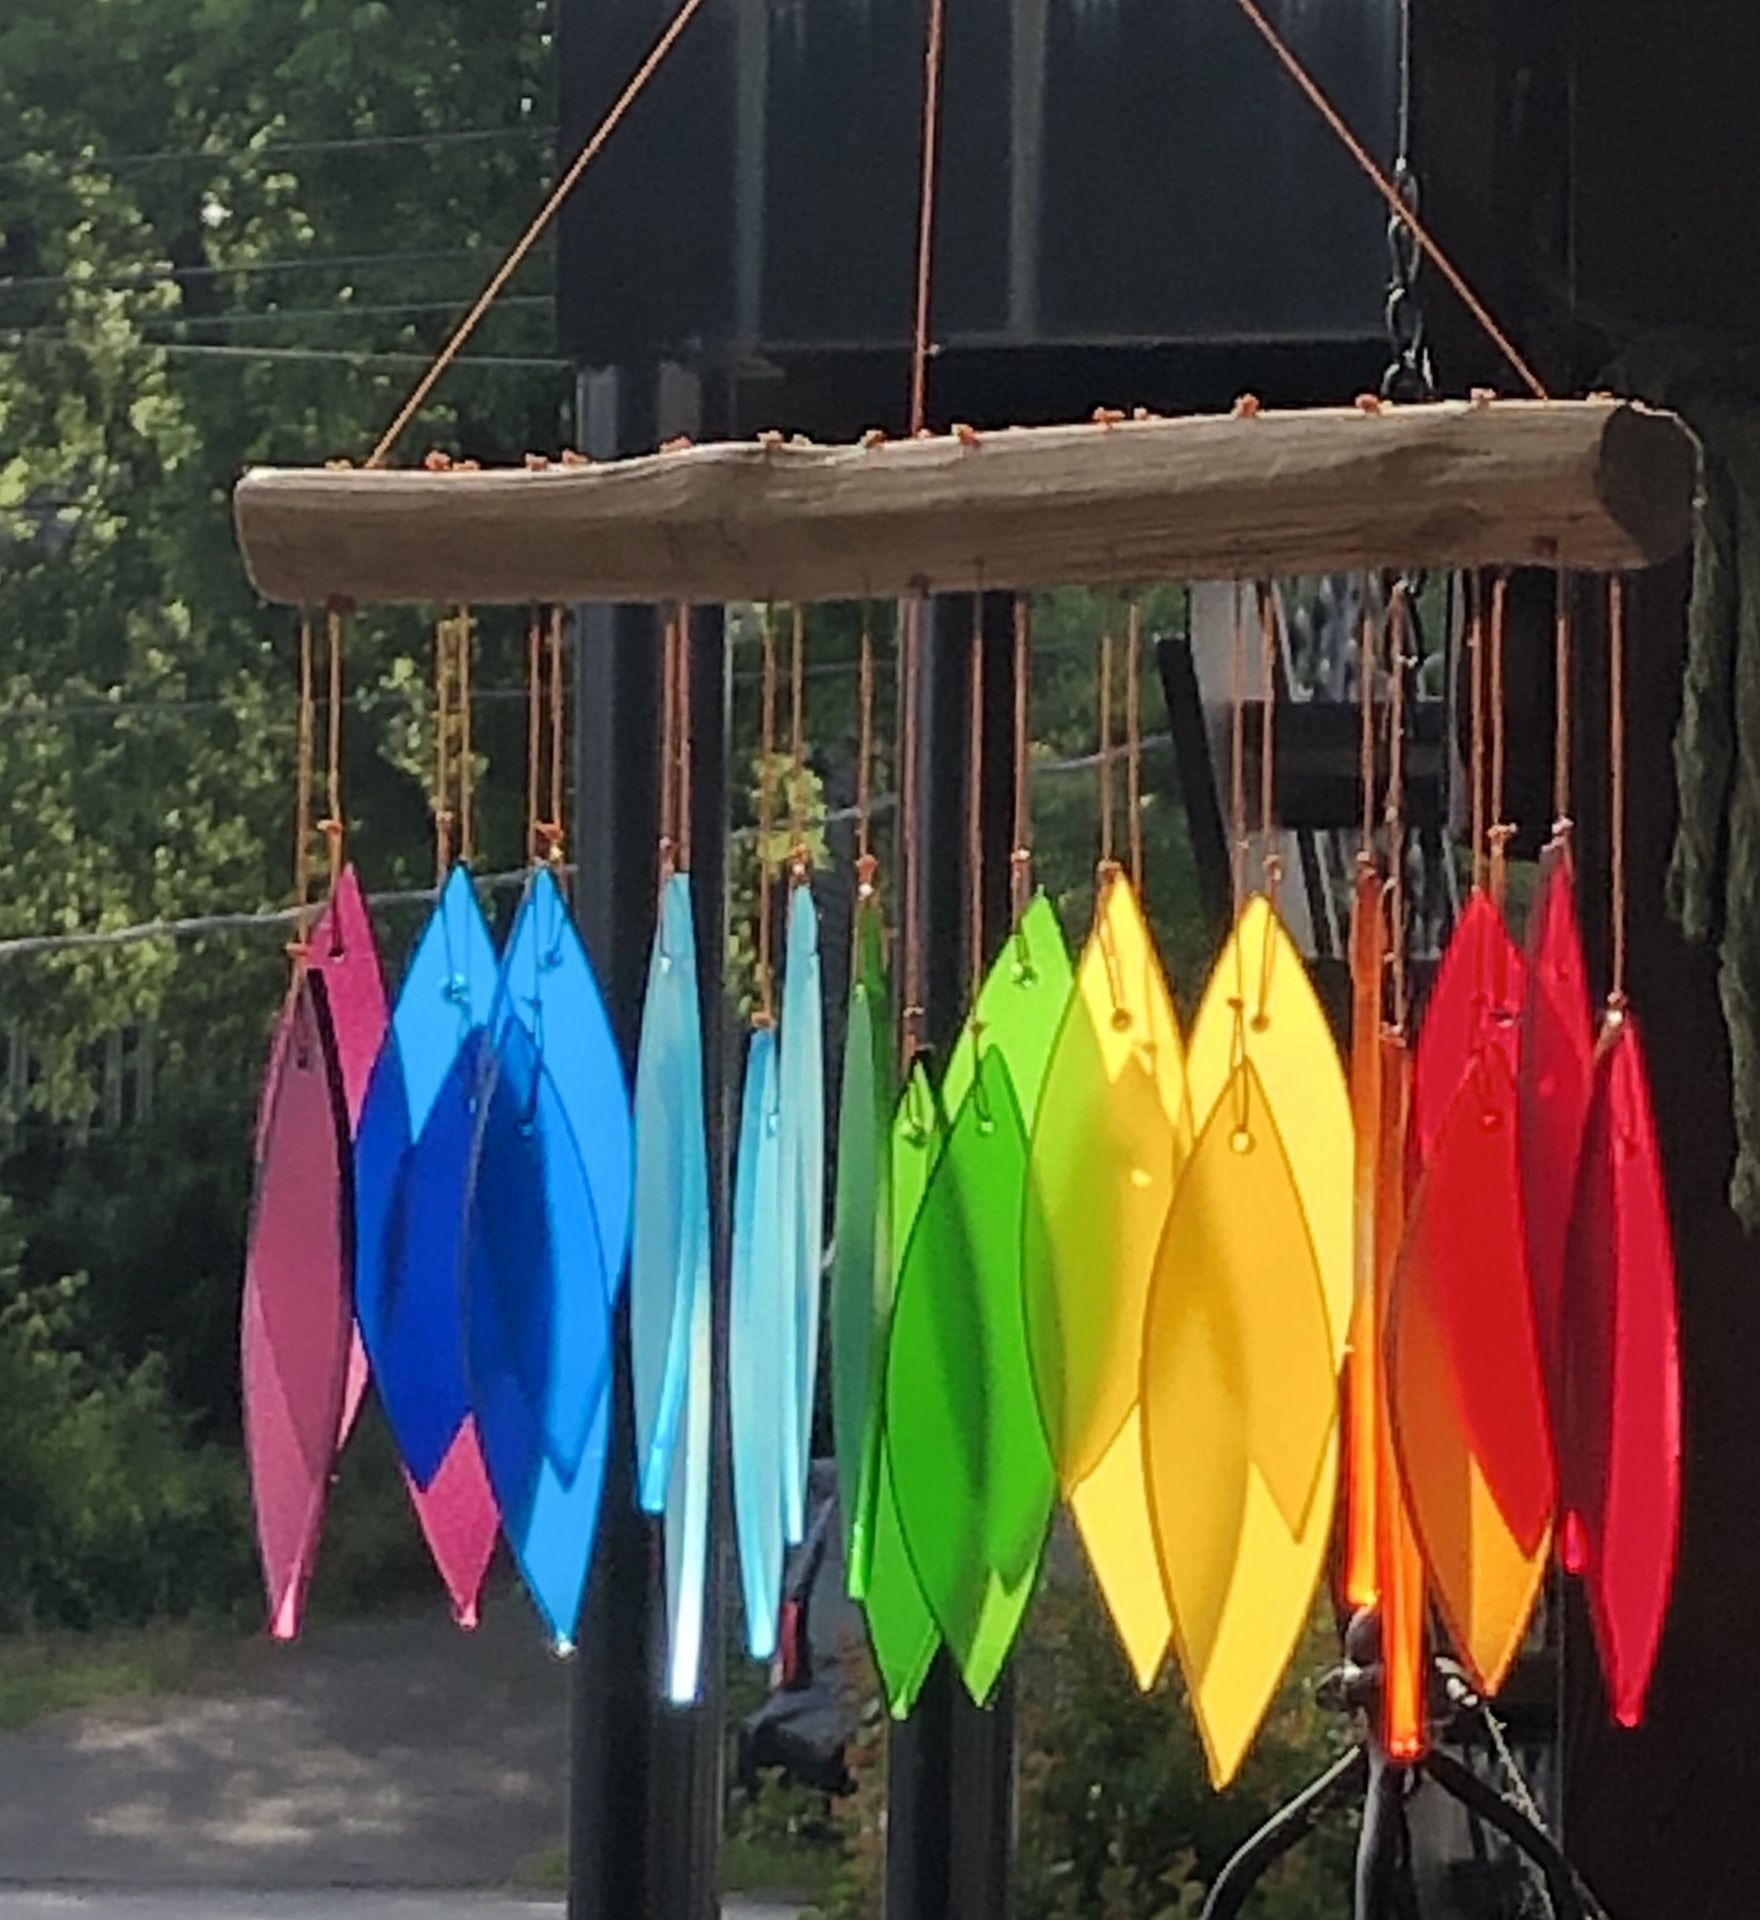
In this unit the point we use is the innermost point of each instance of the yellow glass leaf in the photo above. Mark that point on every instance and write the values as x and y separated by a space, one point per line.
1111 1509
1113 1130
1240 1419
1260 1006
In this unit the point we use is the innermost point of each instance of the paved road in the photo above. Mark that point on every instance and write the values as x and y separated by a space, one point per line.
342 1905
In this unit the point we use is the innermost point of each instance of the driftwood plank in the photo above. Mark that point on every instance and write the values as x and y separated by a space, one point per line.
1599 485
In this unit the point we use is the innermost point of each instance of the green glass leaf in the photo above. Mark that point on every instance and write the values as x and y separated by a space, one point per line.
861 1270
971 1471
1019 1011
900 1623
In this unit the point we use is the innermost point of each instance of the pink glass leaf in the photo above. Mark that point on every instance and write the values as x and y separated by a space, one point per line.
1554 1083
296 1320
1475 1006
460 1522
1621 1438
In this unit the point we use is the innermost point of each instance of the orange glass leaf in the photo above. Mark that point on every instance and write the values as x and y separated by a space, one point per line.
1240 1419
1362 1580
1555 1080
1399 1558
1465 1391
1621 1438
1475 1006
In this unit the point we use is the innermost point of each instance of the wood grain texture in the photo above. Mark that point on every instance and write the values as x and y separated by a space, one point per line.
1599 485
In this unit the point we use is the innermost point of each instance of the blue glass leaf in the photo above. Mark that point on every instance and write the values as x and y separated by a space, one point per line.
550 1518
803 1195
548 984
670 1250
546 1267
409 1181
754 1360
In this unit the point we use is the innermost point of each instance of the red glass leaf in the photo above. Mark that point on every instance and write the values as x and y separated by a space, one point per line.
1555 1079
1620 1440
296 1321
1474 1007
1466 1396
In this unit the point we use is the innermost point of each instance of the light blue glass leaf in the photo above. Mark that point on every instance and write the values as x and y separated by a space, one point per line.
670 1250
550 1518
754 1359
687 1490
803 1193
548 983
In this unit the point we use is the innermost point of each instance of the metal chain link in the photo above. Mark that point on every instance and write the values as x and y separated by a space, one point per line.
1411 373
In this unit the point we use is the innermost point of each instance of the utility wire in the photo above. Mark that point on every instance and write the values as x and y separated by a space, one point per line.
279 150
327 356
153 273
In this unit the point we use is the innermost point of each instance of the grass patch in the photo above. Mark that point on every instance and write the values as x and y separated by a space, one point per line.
49 1673
761 1866
543 1872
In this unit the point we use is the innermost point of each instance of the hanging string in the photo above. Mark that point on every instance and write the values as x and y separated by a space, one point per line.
333 826
1270 619
932 66
910 854
467 770
1366 724
444 818
685 764
766 821
1501 831
1105 755
1476 666
1133 727
799 858
1616 761
302 798
1398 629
668 748
1237 749
975 805
867 867
534 723
1021 859
555 823
1561 729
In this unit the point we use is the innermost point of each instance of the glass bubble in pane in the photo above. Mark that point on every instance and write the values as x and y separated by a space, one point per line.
1621 1444
756 1378
861 1280
1554 1082
971 1470
1282 1030
1465 1391
1362 1579
670 1243
803 1197
1240 1419
1475 1007
295 1325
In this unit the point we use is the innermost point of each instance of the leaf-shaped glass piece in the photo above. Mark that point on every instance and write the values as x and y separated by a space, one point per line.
1019 1010
1362 1580
1554 1082
756 1381
1111 1512
519 1209
861 1267
900 1623
688 1486
1399 1558
1260 1006
803 1198
1113 1129
670 1249
1620 1442
548 984
295 1324
461 1522
1465 1391
1475 1007
409 1178
1240 1412
970 1467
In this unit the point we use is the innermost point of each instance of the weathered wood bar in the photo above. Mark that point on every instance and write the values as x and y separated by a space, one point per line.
1599 485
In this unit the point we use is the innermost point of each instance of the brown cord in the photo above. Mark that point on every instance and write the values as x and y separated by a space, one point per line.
1237 746
1391 194
975 804
1106 802
1270 619
302 797
534 723
1561 731
333 826
766 821
467 771
556 828
910 855
1616 760
1476 751
1397 634
933 61
1501 831
1366 724
1021 860
865 863
668 748
444 818
522 248
800 862
1133 727
684 674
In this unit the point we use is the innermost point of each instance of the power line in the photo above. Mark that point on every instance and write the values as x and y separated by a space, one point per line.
332 356
343 310
155 273
280 150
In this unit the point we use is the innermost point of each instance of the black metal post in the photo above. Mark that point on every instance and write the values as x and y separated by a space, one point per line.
950 1768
